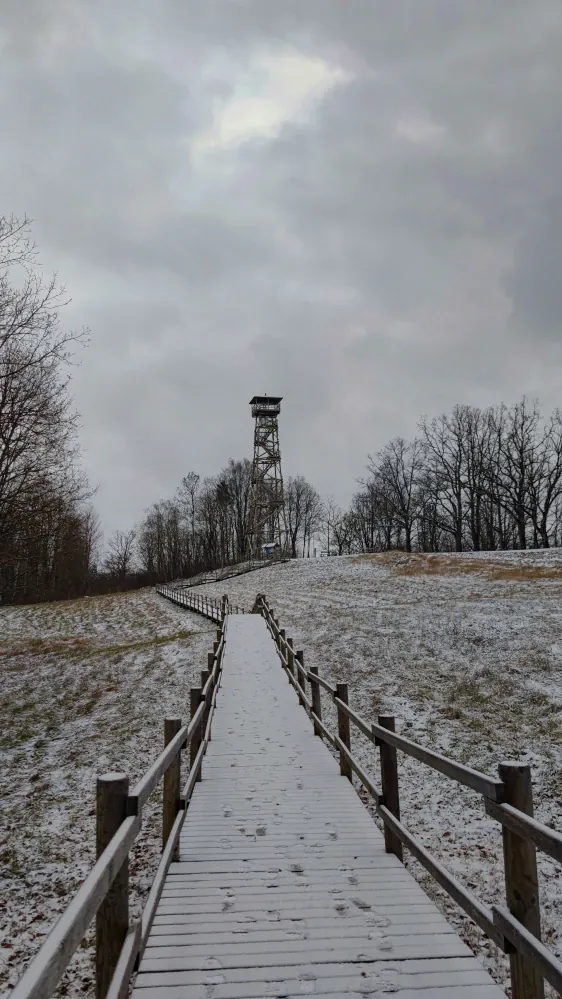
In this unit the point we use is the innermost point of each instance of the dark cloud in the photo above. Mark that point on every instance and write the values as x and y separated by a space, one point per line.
353 203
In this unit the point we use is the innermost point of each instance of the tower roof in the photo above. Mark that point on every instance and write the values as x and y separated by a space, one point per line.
266 400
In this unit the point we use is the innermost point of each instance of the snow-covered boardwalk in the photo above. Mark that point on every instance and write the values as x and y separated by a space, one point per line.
283 887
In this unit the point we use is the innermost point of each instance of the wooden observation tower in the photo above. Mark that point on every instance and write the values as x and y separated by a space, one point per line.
268 531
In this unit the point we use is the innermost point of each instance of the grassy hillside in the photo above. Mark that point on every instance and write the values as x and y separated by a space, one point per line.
466 651
85 687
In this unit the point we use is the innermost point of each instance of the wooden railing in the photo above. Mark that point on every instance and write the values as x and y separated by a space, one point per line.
198 602
229 571
515 927
105 891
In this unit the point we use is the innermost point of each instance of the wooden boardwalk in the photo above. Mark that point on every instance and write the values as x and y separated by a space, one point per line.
283 887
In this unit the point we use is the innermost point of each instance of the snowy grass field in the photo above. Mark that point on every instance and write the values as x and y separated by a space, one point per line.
85 687
466 651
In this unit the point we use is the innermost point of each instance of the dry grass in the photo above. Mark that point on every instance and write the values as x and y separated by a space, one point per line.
78 645
422 564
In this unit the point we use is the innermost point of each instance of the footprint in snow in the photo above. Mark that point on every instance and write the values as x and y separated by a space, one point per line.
360 904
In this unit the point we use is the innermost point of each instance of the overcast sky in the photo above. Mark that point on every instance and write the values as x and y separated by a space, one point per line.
355 204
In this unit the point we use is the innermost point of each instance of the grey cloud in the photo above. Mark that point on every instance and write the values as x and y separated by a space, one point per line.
365 271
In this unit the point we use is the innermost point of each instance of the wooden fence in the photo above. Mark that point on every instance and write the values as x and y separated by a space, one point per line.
105 892
514 927
198 602
238 569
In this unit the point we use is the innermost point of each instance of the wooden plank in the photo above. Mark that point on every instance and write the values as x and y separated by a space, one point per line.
406 920
293 951
360 930
289 907
423 973
353 986
295 914
463 985
251 882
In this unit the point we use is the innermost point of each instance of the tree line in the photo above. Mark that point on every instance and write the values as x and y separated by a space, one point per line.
205 524
474 479
48 530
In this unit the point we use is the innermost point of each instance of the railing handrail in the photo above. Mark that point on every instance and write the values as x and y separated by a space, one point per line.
547 840
229 571
490 787
498 922
45 970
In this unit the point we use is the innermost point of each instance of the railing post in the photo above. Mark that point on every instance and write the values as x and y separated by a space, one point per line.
112 920
282 638
521 879
343 731
389 785
196 739
219 634
210 660
171 789
316 700
299 656
290 657
205 674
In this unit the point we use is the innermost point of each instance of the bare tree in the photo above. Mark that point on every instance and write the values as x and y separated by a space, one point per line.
120 553
516 437
30 305
37 428
46 537
295 490
332 515
397 468
303 511
312 519
187 499
444 440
